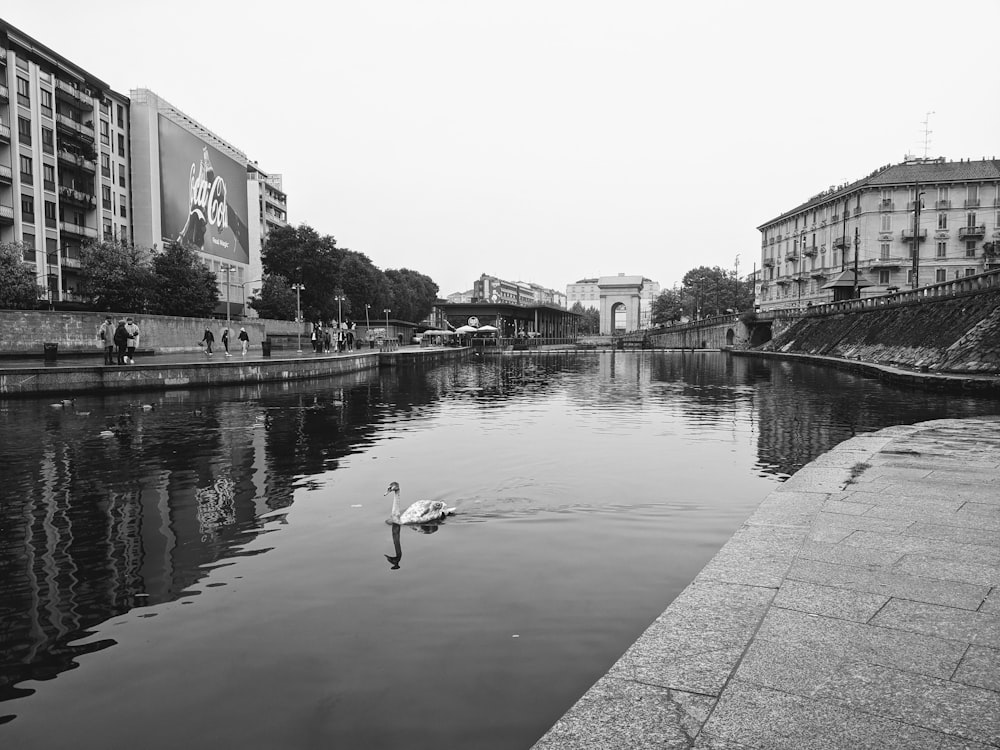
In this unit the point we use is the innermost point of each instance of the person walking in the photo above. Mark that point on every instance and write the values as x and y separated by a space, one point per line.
208 339
121 341
106 333
244 338
225 340
133 340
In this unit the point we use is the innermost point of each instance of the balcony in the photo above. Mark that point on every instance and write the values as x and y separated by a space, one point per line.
77 230
4 93
71 262
942 204
83 130
6 174
68 157
972 202
968 232
886 205
907 235
819 275
768 263
792 255
77 196
841 242
809 251
892 261
69 92
4 133
6 214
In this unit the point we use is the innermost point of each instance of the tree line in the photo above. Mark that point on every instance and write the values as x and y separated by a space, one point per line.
122 277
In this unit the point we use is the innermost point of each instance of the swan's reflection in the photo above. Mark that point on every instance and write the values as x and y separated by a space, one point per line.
427 528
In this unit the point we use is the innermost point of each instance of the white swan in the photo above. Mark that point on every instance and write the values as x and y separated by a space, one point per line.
422 511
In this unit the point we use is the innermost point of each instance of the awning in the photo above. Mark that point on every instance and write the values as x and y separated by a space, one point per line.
845 279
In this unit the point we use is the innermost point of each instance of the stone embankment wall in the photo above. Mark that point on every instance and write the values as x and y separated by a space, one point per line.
724 332
23 332
958 335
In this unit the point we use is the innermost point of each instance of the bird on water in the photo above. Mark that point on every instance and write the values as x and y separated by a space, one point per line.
421 512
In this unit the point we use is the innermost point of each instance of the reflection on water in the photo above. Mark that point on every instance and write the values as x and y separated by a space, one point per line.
590 488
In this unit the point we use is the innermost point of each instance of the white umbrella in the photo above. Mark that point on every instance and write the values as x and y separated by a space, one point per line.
487 329
467 329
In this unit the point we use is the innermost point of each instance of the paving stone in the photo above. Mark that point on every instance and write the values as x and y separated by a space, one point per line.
756 556
843 554
939 705
945 569
980 667
787 509
928 515
949 533
991 605
980 627
905 543
951 594
828 601
831 534
765 718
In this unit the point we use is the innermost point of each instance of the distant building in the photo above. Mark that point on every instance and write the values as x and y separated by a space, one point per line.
458 297
496 290
948 213
587 293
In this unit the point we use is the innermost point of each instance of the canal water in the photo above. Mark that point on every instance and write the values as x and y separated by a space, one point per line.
212 569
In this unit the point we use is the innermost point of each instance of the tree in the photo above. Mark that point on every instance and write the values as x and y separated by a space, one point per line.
116 276
714 291
590 324
182 284
276 300
668 307
19 289
412 294
301 256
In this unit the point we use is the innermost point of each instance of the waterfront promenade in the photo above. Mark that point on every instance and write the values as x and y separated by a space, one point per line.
858 607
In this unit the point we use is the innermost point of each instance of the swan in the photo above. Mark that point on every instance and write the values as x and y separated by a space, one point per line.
421 512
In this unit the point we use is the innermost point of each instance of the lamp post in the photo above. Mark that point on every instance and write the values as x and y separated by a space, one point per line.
340 319
228 268
386 311
368 325
298 310
243 289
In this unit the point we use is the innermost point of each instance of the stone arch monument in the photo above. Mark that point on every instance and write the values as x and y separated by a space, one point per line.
619 290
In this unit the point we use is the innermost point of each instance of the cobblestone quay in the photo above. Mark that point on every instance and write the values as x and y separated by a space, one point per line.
858 607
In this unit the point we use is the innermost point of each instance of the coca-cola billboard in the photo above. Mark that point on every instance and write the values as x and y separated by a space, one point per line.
203 195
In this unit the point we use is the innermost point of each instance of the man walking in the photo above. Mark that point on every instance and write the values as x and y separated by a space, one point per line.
106 333
133 340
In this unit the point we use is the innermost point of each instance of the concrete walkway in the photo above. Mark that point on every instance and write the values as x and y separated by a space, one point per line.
858 607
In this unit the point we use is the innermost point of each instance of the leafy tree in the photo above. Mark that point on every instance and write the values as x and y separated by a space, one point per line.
276 300
362 283
590 324
714 291
668 306
19 289
301 255
116 276
412 294
182 284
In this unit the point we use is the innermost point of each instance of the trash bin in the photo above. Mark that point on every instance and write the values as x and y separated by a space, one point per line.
51 350
265 348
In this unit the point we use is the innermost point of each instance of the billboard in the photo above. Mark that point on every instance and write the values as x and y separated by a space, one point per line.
203 195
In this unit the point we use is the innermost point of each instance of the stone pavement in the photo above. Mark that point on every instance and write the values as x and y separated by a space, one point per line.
858 607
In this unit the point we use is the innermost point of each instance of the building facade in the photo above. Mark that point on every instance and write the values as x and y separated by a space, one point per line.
65 164
496 290
916 223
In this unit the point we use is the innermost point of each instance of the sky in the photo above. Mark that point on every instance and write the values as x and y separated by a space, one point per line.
552 140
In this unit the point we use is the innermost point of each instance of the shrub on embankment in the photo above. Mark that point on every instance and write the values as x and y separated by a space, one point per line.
959 334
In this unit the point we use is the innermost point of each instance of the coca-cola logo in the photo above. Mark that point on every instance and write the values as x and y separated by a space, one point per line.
209 198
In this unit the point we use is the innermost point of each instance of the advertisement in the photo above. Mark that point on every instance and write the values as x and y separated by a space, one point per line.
203 195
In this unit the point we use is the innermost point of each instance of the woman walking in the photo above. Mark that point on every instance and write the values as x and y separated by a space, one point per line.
225 340
244 338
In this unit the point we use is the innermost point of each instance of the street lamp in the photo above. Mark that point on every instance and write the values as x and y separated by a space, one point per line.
298 310
368 326
340 318
228 268
243 288
387 311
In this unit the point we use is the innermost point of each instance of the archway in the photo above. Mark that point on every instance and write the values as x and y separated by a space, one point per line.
619 292
730 337
619 318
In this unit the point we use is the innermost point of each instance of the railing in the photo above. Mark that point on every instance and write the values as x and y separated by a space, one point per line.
768 262
85 130
6 173
809 251
972 202
971 231
841 242
4 93
907 235
886 205
4 132
77 229
77 160
6 212
76 195
943 204
792 255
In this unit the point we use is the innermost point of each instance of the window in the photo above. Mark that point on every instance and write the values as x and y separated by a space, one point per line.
49 176
105 132
24 130
45 102
883 276
970 219
106 197
48 141
942 249
121 144
972 196
28 241
883 250
970 271
942 193
109 233
105 165
123 233
22 91
121 175
28 208
970 248
50 214
122 211
885 223
26 170
942 221
106 107
121 115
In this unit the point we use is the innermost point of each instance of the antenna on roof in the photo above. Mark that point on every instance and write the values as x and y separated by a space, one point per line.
927 132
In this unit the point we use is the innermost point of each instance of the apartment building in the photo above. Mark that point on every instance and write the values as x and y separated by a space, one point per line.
494 289
65 172
916 223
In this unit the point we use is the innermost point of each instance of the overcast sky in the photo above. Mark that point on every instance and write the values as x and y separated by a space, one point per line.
549 141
